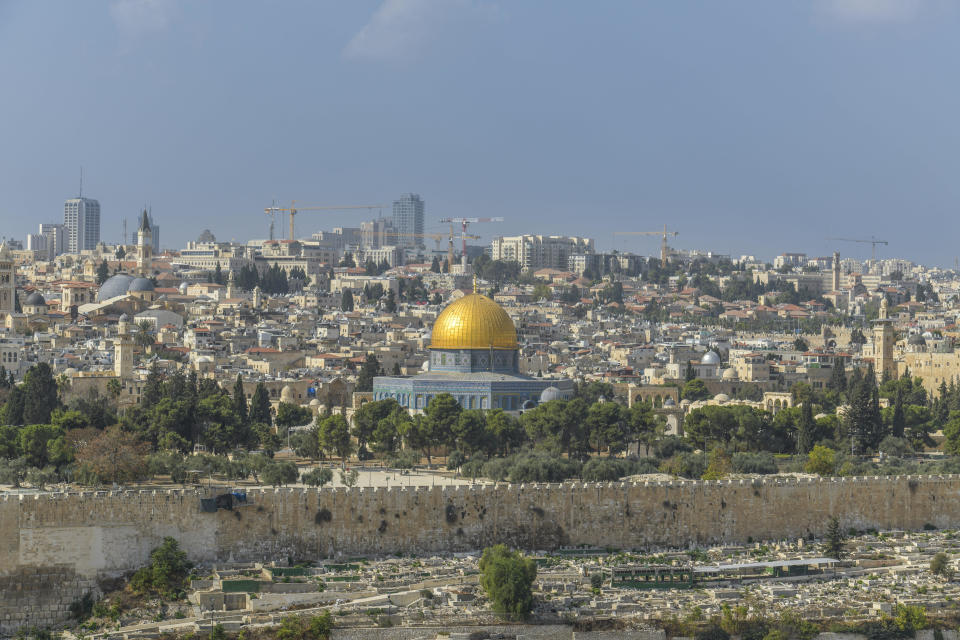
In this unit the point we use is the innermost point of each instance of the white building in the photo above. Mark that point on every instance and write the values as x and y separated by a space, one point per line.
539 252
81 217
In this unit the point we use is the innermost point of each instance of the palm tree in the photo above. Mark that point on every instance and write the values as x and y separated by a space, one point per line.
143 336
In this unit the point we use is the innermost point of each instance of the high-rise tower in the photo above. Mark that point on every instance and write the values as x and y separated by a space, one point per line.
408 219
81 217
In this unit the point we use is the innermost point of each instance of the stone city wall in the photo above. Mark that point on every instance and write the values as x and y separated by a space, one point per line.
56 546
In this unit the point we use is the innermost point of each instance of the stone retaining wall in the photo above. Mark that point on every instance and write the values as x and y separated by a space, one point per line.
56 546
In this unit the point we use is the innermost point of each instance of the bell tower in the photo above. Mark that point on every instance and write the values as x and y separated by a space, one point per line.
144 245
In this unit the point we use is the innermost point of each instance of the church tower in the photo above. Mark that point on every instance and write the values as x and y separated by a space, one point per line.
883 340
144 245
8 281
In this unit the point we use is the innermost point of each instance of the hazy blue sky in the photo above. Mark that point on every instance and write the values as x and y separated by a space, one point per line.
750 126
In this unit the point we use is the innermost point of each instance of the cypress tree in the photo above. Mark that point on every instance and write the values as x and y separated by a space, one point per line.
899 421
805 428
240 400
260 405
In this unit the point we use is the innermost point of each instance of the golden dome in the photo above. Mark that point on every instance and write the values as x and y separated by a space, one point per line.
474 322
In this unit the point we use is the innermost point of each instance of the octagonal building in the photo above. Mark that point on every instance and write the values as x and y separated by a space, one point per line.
474 356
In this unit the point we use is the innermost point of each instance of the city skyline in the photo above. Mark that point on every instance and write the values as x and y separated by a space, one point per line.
751 129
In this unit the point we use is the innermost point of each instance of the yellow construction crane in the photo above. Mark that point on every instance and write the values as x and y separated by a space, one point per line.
293 210
664 249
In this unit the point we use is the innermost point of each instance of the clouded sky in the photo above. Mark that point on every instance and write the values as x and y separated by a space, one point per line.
749 126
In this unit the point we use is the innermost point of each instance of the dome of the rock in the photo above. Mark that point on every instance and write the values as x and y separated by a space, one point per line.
473 322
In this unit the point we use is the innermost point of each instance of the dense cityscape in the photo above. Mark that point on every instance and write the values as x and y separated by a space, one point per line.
365 357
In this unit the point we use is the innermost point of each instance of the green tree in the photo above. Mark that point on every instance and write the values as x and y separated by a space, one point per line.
607 425
469 431
368 371
940 566
346 300
507 578
316 477
335 436
167 572
821 460
260 405
40 394
806 428
442 414
144 335
838 376
833 545
390 305
294 627
800 344
898 423
695 390
505 432
240 401
103 272
33 443
278 473
291 415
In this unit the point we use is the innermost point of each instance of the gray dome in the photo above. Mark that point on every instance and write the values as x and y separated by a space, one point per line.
917 339
529 404
710 357
124 317
35 299
669 402
183 288
114 286
141 284
550 393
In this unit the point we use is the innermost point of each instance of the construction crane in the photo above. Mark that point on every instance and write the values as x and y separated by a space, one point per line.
438 237
464 223
664 249
293 210
873 242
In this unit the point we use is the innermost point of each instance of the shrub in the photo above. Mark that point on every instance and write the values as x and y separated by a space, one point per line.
609 469
762 463
167 572
294 627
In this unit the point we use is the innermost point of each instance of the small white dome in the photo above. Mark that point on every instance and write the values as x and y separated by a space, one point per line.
550 393
286 394
314 403
721 397
729 374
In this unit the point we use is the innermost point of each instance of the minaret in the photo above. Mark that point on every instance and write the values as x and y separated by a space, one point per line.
231 286
883 339
123 353
836 271
257 297
8 282
144 245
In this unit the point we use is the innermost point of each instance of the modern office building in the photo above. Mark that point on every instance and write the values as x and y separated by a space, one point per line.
408 220
81 217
